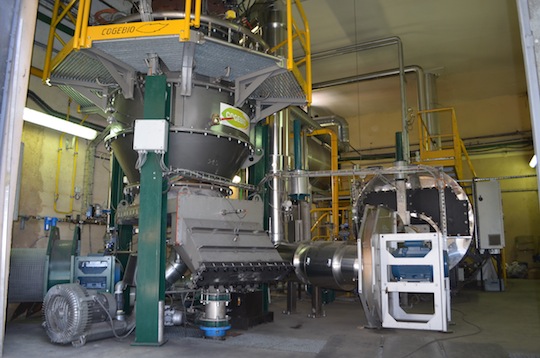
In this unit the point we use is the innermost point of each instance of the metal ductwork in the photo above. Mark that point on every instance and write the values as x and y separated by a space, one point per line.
175 269
342 129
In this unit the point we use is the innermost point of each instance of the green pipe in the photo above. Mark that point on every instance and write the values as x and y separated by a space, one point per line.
399 147
297 128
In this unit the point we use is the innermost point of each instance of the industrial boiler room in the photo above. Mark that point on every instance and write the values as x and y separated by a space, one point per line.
270 178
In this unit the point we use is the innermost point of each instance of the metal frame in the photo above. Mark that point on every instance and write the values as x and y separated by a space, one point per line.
152 229
392 315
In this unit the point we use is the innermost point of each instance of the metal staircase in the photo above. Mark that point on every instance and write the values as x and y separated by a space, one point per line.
440 143
99 60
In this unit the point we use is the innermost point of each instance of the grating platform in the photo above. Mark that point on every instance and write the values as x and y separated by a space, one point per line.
114 63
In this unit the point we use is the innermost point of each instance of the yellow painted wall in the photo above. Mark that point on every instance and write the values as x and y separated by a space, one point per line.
519 196
38 187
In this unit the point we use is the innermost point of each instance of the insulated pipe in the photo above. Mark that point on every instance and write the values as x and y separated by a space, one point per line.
334 168
276 220
343 129
174 270
304 118
311 123
327 264
394 40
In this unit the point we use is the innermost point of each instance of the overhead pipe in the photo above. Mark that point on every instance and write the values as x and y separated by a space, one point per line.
420 82
304 118
394 40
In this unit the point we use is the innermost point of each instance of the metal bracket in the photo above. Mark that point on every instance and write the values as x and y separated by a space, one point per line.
187 69
87 90
247 84
262 111
123 74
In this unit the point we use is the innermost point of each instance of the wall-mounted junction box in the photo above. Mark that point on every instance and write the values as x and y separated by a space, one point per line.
151 135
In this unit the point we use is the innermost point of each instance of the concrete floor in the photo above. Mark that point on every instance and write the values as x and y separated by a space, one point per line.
485 324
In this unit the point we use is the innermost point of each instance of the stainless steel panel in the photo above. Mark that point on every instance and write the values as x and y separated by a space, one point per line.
194 150
327 264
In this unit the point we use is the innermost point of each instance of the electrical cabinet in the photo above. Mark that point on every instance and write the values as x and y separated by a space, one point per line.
489 215
95 272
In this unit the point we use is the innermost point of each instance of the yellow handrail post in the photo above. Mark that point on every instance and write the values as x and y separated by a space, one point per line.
185 32
50 43
83 41
197 21
290 56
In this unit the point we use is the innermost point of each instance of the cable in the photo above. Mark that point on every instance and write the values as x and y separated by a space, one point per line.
162 162
112 323
141 159
478 330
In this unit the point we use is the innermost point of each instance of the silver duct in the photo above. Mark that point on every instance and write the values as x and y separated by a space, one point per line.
274 33
277 229
342 132
175 269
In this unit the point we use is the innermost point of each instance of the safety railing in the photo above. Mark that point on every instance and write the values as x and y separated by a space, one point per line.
300 35
84 34
320 229
442 149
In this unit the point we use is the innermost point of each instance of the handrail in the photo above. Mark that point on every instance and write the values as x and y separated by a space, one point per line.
84 35
324 213
294 32
428 155
82 38
314 226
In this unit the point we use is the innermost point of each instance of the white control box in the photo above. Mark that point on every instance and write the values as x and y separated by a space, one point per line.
151 135
489 215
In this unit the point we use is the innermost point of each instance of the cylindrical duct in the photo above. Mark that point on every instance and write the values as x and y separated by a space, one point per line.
174 270
327 264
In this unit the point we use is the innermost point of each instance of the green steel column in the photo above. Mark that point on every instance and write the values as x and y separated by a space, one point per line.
151 246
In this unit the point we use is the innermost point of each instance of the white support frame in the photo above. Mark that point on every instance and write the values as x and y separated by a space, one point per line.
392 315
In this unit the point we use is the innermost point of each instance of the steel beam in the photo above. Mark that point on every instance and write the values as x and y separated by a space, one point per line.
151 244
